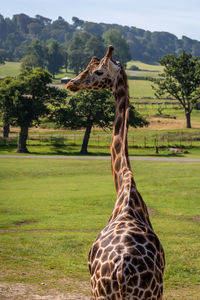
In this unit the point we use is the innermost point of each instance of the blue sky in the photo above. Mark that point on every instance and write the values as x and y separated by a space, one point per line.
180 17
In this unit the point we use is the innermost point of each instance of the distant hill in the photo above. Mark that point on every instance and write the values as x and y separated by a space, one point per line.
146 46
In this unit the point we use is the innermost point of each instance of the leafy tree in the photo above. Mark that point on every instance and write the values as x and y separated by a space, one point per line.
5 105
35 28
86 109
29 61
93 28
39 50
94 46
54 56
44 21
122 52
26 99
181 79
77 22
78 59
65 57
81 48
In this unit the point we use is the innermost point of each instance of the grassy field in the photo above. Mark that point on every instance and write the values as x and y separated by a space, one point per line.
138 88
141 141
49 217
10 69
145 67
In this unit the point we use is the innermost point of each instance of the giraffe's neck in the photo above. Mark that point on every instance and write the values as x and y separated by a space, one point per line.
119 145
128 198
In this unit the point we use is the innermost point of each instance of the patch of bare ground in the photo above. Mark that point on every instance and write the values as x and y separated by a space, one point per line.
162 123
183 293
20 291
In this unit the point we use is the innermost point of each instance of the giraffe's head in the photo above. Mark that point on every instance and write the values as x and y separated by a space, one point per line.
99 74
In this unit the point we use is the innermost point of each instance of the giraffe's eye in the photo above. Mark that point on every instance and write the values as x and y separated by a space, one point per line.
97 72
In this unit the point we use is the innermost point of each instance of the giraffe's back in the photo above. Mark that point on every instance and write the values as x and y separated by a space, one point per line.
126 262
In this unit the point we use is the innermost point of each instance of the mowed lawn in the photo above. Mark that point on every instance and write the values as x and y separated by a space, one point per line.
52 209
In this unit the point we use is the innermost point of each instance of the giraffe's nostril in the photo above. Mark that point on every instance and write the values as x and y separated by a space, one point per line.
98 72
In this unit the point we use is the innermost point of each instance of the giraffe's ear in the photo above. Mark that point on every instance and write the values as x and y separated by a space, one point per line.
109 52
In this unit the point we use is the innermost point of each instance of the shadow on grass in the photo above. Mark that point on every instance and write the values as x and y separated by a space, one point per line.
74 150
9 149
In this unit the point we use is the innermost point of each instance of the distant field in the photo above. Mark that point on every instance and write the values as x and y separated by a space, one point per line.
50 216
10 69
140 88
145 67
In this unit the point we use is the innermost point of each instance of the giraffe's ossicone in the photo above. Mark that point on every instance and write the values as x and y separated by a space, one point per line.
126 261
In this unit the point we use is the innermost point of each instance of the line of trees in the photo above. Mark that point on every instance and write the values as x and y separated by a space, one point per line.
18 32
53 55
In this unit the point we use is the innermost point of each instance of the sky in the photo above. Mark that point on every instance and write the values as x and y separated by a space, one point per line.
180 17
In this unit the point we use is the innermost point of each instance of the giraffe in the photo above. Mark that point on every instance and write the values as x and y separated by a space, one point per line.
126 260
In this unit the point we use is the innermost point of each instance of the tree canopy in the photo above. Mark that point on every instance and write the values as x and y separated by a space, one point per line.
24 100
86 109
122 51
181 79
81 48
21 30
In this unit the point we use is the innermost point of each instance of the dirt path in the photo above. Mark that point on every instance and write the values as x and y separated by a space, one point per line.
20 291
103 157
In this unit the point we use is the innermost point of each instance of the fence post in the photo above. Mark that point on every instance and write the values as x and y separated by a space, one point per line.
168 139
180 138
156 145
145 142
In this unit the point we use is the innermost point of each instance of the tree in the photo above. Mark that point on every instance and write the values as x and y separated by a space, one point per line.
86 109
94 46
26 99
77 22
81 48
29 61
39 50
122 52
78 59
54 56
65 57
181 79
5 105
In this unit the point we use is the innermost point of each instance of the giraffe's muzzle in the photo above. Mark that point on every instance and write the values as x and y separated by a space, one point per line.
72 86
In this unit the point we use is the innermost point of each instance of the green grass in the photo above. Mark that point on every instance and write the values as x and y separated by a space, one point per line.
56 215
141 142
137 87
10 69
140 88
62 74
146 67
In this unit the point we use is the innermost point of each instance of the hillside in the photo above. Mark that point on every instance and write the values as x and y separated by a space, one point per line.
145 46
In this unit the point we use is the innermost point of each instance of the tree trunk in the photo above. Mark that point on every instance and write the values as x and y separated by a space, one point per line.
86 139
188 119
22 140
6 131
